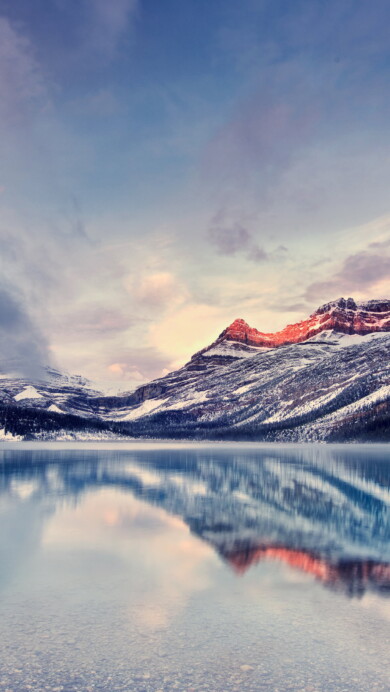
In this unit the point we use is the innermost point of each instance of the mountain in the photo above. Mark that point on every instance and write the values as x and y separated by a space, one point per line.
325 378
343 316
49 406
54 391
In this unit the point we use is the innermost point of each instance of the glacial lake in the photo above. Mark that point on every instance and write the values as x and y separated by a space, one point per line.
194 567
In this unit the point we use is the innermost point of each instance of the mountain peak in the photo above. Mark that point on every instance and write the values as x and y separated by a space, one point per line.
376 306
344 304
343 315
238 323
236 331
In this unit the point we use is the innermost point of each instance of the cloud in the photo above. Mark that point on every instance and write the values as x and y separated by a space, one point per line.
359 272
230 238
23 348
257 254
229 241
100 320
126 372
135 365
382 244
283 306
157 290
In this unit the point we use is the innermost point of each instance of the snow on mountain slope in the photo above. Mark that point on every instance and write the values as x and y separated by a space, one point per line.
308 381
230 349
55 392
28 392
235 385
54 408
247 381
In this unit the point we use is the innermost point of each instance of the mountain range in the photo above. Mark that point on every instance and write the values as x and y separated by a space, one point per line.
326 378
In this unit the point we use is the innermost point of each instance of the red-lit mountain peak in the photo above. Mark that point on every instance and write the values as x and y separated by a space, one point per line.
238 330
344 316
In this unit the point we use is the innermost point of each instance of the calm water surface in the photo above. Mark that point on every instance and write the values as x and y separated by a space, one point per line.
194 568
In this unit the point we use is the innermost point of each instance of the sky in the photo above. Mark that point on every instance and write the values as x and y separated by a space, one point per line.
168 167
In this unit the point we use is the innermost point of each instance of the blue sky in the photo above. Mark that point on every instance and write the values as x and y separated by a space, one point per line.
170 166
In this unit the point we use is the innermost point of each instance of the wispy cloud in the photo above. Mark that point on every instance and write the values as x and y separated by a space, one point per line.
232 237
156 290
138 364
257 253
358 272
104 322
229 241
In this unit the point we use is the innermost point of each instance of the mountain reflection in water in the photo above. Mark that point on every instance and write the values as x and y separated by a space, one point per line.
353 577
324 511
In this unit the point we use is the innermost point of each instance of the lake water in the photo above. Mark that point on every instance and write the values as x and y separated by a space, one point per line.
190 567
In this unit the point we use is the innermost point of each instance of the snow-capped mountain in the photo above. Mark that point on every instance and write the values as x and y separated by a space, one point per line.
342 316
54 391
325 378
308 381
50 406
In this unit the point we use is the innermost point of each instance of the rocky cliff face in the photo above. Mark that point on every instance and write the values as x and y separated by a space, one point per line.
344 316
